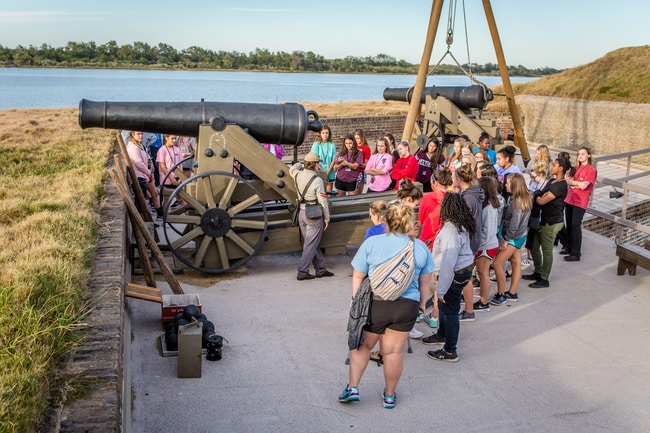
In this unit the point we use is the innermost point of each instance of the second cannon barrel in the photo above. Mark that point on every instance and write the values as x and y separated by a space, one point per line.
463 97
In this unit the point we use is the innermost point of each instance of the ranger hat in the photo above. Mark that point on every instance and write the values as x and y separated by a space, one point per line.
312 157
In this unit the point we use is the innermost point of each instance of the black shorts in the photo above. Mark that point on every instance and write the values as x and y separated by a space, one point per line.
398 315
345 186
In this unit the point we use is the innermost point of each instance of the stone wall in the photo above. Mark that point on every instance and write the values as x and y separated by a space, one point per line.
373 128
97 364
605 127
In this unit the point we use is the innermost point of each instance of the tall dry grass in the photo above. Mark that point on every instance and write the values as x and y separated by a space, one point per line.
622 75
51 177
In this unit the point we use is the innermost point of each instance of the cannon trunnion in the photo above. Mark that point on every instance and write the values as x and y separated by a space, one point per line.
225 220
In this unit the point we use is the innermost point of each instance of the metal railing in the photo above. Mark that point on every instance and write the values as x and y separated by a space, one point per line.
627 187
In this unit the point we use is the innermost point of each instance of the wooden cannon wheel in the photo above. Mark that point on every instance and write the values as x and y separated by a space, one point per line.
225 229
426 129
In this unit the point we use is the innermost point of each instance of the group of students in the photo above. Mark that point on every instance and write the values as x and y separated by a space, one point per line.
476 216
355 166
153 156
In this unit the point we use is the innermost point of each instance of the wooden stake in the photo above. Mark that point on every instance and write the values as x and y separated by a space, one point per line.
140 225
139 194
147 269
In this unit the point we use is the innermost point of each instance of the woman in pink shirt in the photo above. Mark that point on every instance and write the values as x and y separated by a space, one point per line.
581 184
379 167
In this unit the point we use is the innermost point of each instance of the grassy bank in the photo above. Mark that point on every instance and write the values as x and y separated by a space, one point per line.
50 184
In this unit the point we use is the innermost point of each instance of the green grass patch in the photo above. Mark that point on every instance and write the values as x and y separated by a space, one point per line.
50 186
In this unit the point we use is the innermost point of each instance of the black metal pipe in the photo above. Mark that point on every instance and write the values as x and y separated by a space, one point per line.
463 97
267 123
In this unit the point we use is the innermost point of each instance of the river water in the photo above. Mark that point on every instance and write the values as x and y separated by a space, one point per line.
59 88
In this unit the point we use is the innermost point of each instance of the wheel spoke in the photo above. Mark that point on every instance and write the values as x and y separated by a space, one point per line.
241 243
188 237
223 254
239 223
209 192
197 205
183 219
200 251
227 194
243 205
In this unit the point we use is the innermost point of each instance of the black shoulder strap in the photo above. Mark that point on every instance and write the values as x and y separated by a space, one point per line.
306 187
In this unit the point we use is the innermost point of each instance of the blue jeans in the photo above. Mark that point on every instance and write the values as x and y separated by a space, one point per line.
449 326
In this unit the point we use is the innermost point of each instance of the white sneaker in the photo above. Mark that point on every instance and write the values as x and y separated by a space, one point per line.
525 263
415 334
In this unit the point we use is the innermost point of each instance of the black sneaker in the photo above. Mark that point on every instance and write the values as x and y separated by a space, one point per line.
572 258
480 306
498 299
564 252
433 339
441 355
539 284
531 277
511 296
476 282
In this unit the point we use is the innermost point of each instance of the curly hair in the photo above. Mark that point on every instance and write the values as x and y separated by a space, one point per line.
408 190
398 217
540 168
454 210
465 173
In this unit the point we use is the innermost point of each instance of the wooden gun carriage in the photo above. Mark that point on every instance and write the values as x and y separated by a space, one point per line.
450 112
225 219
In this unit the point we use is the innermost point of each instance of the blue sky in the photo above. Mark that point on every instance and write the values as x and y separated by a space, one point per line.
554 33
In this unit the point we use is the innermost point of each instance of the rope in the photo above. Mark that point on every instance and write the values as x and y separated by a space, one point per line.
451 18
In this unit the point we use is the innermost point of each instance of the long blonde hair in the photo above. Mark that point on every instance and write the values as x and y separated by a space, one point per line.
455 156
520 195
544 154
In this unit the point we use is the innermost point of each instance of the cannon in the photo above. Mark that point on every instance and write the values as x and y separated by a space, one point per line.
464 98
449 112
268 123
225 220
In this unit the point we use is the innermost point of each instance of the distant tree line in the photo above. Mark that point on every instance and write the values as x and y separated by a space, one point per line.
164 56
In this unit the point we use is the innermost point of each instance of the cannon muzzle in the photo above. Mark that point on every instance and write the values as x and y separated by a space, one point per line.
463 97
267 123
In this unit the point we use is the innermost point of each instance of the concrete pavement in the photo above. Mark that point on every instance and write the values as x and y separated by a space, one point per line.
571 358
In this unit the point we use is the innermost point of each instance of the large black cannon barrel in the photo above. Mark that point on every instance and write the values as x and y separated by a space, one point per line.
267 123
463 97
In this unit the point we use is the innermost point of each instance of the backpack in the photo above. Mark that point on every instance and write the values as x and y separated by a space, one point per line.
391 279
